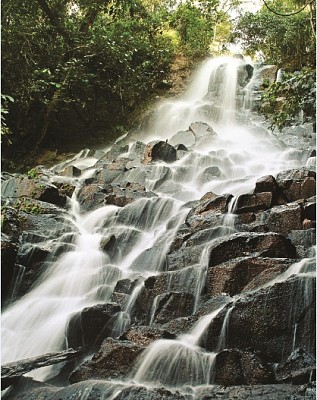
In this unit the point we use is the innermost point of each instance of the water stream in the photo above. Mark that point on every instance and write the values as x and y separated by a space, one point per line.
239 148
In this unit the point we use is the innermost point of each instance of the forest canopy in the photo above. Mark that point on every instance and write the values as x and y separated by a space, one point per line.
73 71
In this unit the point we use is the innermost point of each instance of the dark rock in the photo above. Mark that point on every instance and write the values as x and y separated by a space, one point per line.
303 240
91 325
236 275
9 251
163 151
236 367
266 184
309 209
253 202
260 315
173 305
109 245
145 335
209 203
10 222
65 188
245 243
283 219
297 184
115 152
113 361
298 368
125 286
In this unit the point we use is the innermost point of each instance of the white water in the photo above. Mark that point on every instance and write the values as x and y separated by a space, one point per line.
242 152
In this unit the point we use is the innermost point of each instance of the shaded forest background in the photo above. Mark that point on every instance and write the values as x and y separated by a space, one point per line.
78 73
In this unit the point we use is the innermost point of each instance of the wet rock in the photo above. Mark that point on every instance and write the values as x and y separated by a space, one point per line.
283 219
236 367
235 276
257 392
71 171
25 388
125 286
109 245
299 368
142 393
164 152
11 371
246 243
253 202
183 138
9 251
91 325
113 361
200 129
208 204
309 209
65 188
91 197
303 240
145 335
22 186
173 305
10 222
266 183
297 184
115 152
260 315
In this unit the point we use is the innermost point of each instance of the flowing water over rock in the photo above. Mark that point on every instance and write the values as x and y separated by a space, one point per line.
186 256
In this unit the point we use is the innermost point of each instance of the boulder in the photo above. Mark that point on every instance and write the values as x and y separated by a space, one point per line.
145 335
172 305
266 183
200 129
246 243
113 361
253 202
234 276
237 367
283 219
297 184
303 240
299 368
91 325
279 324
34 188
9 250
182 140
162 151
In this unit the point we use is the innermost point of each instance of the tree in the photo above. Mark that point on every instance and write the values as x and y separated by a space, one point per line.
75 69
286 41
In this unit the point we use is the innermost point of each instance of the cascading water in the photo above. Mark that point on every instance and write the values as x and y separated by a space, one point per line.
235 153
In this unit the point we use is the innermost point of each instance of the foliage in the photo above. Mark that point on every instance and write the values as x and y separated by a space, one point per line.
78 67
283 101
283 41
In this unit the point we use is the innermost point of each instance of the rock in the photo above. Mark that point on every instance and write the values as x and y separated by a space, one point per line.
253 202
236 275
113 361
143 393
145 335
71 171
297 184
236 367
91 325
200 129
164 152
245 243
256 392
182 140
37 189
260 315
173 305
309 209
303 240
11 371
283 219
297 369
109 245
9 250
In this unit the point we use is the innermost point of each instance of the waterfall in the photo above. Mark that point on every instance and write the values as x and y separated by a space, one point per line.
236 151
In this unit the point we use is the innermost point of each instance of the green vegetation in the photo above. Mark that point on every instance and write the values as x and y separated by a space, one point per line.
292 100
